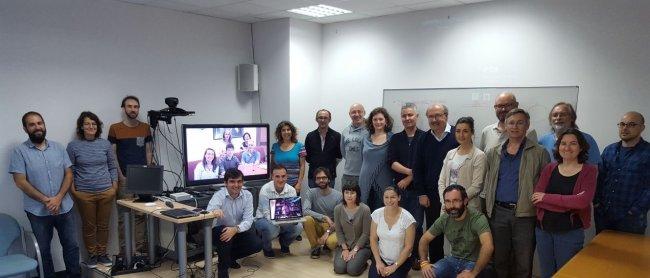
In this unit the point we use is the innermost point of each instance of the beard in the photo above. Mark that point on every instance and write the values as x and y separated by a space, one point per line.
455 212
558 128
35 138
132 116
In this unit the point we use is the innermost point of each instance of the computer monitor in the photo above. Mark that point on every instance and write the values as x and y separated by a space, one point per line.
145 181
210 149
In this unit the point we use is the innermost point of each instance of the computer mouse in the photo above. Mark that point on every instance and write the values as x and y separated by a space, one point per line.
169 204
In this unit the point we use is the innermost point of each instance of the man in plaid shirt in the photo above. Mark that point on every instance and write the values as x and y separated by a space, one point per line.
623 193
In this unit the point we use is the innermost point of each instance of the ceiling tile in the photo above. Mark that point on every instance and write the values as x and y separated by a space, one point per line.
206 3
341 17
361 5
283 5
283 14
434 4
217 12
247 8
248 19
473 1
391 10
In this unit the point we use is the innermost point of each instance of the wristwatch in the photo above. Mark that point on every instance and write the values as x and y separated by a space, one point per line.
328 231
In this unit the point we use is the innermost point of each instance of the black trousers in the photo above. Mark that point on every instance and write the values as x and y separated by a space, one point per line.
241 245
436 246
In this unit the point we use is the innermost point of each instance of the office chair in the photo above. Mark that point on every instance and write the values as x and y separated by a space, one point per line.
11 262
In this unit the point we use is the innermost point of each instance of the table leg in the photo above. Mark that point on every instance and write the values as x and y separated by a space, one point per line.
181 249
128 237
151 238
207 249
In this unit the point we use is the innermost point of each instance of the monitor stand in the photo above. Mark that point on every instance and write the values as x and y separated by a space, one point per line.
144 198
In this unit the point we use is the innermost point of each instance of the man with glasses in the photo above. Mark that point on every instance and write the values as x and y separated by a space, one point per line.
511 173
318 206
623 192
432 147
495 134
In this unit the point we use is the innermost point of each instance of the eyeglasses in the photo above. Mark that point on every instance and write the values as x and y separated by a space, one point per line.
322 178
630 125
503 106
437 116
90 124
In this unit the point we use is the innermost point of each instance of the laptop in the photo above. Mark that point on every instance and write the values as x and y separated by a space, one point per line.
179 213
286 210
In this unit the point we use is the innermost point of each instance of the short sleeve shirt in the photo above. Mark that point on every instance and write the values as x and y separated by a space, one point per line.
131 143
391 240
463 235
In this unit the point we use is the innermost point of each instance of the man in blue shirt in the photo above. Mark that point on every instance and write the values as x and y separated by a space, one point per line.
623 192
561 118
41 169
232 231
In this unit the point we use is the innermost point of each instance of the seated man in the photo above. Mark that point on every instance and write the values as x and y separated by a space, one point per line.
468 232
250 154
318 205
277 188
230 161
232 234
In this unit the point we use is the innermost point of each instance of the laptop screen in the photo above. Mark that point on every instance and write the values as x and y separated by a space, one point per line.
285 208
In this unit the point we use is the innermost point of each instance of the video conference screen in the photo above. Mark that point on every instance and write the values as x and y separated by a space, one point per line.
211 149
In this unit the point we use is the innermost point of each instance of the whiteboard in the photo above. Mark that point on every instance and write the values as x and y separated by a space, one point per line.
479 104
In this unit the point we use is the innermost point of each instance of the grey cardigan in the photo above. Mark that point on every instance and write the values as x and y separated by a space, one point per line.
355 233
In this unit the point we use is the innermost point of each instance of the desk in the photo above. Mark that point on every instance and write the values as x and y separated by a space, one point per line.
181 232
610 254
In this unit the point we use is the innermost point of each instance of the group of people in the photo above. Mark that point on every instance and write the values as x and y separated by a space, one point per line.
496 201
214 165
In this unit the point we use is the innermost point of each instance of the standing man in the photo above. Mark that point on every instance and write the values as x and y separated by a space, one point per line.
323 147
495 134
232 233
41 169
401 152
623 193
277 188
561 118
352 145
511 173
319 207
432 147
131 140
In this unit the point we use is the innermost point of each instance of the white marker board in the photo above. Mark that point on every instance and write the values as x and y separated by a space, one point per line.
479 104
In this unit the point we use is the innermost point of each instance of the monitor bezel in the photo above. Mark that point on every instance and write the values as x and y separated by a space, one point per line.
157 191
191 183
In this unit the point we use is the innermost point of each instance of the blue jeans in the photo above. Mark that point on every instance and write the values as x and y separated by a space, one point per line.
287 233
43 228
410 201
557 248
451 266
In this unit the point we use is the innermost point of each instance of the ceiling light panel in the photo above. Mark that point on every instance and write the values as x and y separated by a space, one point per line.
319 11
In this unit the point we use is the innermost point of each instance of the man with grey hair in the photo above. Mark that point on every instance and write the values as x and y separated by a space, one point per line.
495 134
352 145
512 171
432 147
623 192
401 150
561 118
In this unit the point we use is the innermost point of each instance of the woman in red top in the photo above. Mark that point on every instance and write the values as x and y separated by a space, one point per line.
563 196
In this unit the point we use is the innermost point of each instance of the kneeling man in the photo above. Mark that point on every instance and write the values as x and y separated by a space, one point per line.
468 232
232 233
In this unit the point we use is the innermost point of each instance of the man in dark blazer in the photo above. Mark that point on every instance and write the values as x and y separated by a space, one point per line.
323 147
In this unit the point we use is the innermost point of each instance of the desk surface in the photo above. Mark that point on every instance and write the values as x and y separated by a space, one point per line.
610 254
160 206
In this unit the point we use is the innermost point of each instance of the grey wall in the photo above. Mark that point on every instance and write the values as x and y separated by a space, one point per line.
62 57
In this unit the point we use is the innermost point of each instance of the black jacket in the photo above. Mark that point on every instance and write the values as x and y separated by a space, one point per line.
326 157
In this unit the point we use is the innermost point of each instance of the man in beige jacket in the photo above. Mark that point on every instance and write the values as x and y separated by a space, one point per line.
513 168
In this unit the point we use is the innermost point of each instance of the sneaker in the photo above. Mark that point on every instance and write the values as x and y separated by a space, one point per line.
315 253
235 265
269 254
285 250
91 262
104 260
299 238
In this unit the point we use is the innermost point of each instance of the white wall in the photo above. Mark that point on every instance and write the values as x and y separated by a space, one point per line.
271 44
62 57
601 46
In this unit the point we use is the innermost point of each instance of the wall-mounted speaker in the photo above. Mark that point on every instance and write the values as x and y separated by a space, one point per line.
247 78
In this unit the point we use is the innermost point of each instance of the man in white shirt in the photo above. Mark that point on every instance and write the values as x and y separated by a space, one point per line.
277 188
495 134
